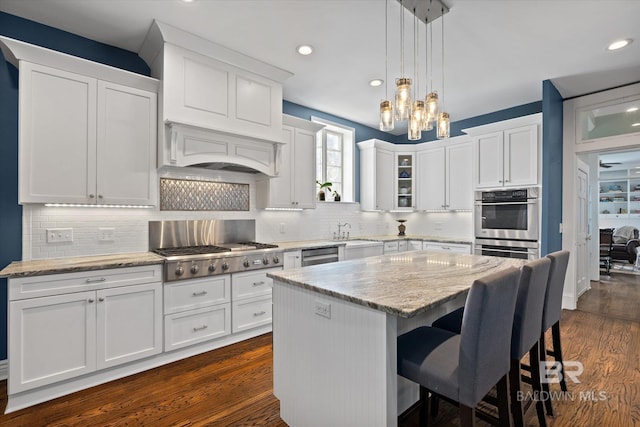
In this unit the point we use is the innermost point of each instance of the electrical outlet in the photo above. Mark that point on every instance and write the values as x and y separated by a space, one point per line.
283 228
323 309
106 234
59 235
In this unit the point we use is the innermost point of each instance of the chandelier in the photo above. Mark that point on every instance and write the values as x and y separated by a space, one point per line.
422 114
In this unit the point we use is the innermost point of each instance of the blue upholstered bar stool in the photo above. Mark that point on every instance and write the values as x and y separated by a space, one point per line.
551 316
532 289
464 367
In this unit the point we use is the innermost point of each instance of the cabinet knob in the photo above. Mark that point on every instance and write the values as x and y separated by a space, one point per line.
99 196
506 180
92 196
500 180
90 300
101 299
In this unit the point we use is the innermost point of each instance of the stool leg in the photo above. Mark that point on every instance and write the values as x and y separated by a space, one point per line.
557 350
435 405
467 416
424 407
534 354
545 385
502 389
514 385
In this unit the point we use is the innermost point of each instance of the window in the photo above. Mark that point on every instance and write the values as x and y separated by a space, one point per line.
335 158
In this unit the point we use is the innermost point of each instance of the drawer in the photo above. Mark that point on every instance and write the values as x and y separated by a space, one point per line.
252 284
402 245
196 293
191 327
251 313
55 284
391 246
446 247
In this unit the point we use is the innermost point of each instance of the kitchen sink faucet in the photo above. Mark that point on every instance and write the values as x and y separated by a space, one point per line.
345 235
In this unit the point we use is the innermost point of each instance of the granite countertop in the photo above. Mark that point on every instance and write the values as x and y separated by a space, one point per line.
41 267
404 284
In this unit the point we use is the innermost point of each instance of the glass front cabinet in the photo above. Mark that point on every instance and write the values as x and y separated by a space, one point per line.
405 187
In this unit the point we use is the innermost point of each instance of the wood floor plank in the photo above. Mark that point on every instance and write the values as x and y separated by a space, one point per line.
233 386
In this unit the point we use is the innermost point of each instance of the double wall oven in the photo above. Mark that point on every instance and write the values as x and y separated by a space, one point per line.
507 223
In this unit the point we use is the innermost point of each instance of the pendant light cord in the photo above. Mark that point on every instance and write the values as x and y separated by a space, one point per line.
416 70
386 51
442 57
401 40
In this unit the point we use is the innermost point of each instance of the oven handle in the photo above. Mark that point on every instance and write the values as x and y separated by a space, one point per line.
505 203
480 249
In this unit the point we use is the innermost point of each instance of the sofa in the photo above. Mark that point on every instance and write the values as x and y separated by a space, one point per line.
625 242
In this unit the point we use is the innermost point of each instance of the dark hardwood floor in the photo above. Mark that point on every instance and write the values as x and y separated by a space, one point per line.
233 386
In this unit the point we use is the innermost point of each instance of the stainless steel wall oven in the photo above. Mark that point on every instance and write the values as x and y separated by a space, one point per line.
507 223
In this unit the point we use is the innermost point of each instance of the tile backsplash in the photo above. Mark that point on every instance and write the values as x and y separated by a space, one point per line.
131 225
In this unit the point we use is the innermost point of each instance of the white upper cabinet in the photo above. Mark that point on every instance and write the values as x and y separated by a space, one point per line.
295 185
377 175
404 174
444 175
507 153
87 131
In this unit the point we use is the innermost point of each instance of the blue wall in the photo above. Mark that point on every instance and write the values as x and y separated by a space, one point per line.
10 212
551 239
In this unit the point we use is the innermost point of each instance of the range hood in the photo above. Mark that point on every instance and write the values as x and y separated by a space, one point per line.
218 108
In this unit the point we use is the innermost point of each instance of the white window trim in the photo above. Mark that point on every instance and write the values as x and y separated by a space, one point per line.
348 159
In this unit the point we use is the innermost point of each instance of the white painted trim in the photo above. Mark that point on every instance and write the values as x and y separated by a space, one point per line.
4 369
531 119
42 394
16 51
571 149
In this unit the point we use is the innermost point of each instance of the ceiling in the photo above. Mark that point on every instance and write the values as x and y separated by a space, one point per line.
497 52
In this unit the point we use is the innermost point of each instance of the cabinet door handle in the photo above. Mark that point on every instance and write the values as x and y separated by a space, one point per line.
95 280
201 328
101 299
90 300
258 283
260 313
199 294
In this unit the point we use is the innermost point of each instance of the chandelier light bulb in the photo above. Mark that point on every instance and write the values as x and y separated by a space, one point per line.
443 126
403 98
386 116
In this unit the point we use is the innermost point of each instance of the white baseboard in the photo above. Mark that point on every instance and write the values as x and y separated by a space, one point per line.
4 369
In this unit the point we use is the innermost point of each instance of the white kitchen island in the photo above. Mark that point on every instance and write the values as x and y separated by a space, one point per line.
335 328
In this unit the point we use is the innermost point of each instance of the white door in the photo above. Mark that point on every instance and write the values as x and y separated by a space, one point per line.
459 182
582 232
52 339
129 323
430 179
57 136
126 144
489 155
304 177
385 179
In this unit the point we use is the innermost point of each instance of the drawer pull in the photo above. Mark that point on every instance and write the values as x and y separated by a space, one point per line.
199 294
94 280
260 313
258 283
446 248
201 328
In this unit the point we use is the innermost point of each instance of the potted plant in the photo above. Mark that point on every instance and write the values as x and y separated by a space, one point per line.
336 196
323 185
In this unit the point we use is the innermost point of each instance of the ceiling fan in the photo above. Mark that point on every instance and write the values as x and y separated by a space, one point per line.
608 164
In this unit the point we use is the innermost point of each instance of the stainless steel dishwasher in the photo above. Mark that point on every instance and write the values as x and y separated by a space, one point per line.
319 255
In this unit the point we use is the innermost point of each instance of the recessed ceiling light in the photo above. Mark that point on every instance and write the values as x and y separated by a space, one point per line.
635 124
305 49
632 109
376 82
619 44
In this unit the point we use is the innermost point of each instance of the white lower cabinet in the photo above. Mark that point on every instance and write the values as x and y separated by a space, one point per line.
196 310
251 299
447 247
62 335
390 247
292 259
